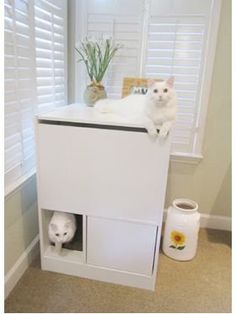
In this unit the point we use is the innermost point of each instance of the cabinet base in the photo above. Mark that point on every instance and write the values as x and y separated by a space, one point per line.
58 265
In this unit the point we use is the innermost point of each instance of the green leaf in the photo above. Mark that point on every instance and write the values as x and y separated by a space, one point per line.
172 246
96 56
181 247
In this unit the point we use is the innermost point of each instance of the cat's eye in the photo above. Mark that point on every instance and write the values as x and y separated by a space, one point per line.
65 233
165 90
155 90
57 234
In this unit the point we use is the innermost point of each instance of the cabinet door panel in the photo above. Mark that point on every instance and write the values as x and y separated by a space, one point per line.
101 172
121 245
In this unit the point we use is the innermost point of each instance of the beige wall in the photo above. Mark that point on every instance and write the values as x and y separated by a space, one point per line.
21 222
209 183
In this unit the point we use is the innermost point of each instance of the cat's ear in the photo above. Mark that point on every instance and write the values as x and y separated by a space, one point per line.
150 82
53 227
170 81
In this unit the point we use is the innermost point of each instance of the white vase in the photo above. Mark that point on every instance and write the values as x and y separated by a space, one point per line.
181 230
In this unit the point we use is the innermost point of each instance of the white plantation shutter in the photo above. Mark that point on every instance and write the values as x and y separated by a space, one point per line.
22 94
175 47
19 90
50 28
177 39
161 38
126 31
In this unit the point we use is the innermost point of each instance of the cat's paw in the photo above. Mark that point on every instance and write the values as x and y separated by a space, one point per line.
152 132
163 132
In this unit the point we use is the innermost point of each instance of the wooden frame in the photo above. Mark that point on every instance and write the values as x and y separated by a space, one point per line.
130 82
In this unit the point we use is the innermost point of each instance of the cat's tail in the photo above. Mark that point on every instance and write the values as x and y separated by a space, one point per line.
104 105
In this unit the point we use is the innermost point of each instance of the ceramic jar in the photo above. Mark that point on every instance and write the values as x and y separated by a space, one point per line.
181 230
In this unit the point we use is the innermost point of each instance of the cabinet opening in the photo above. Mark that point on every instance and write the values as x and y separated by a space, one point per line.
75 244
77 241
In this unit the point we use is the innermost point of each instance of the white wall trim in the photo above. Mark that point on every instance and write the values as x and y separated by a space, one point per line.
216 222
18 269
186 158
212 221
207 73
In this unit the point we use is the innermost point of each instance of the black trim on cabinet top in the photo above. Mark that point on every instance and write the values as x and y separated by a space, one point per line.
95 126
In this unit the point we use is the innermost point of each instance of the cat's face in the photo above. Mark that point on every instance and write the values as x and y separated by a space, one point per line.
60 234
161 92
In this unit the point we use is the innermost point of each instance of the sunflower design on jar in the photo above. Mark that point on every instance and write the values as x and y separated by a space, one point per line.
177 240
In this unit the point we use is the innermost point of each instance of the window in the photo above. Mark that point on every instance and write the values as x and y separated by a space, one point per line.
160 39
35 76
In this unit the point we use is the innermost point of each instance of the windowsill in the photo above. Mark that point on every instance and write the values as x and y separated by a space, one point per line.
192 159
14 187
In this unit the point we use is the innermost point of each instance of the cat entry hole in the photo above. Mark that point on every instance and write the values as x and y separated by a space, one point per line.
77 241
65 227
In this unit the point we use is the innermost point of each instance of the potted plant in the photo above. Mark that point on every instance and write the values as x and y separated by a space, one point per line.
96 55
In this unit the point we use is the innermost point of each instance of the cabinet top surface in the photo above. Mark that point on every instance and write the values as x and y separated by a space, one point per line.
80 113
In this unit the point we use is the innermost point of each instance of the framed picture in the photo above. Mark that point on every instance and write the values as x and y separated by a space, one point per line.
135 85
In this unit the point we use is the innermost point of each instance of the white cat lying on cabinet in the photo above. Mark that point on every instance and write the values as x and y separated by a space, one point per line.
157 108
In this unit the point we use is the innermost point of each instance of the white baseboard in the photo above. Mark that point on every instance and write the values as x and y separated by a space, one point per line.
18 269
216 222
212 221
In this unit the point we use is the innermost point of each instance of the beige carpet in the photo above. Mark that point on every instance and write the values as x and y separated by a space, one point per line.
202 285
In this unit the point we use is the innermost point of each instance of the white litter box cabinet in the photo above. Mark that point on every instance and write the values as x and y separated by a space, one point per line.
113 176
